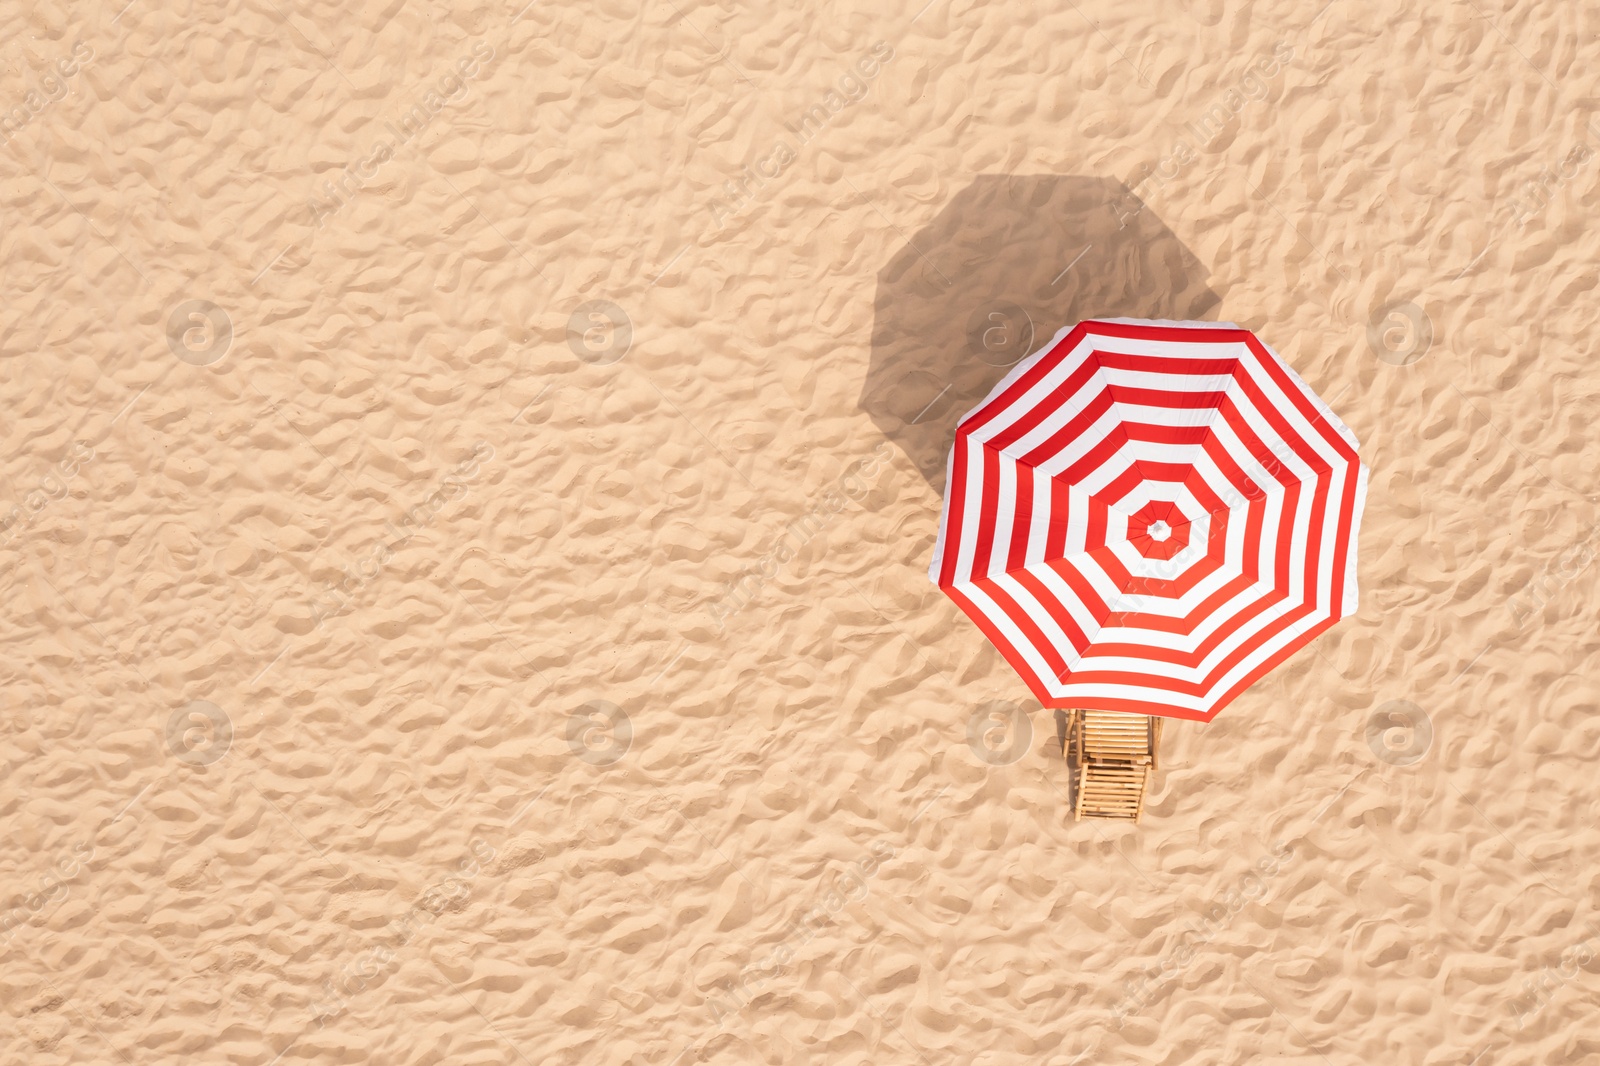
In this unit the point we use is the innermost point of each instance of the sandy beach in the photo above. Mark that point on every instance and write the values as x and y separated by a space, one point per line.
469 481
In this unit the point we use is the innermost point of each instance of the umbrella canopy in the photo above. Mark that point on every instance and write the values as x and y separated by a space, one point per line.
1149 516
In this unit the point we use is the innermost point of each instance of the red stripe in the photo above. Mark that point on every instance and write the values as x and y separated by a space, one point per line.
1183 334
1061 514
1156 434
955 511
1154 470
1022 523
1166 364
1145 397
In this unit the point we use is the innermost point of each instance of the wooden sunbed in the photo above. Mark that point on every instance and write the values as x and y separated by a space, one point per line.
1116 758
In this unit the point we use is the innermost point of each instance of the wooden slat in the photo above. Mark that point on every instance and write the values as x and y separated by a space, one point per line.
1111 790
1116 756
1110 735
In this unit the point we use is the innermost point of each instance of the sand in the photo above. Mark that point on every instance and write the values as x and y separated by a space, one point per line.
469 477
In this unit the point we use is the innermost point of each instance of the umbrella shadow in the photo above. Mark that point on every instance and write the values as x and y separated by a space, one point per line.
1008 262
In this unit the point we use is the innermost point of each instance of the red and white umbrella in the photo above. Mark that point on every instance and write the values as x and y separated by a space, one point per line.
1149 516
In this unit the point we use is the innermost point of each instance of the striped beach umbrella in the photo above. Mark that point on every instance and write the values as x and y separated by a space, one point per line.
1149 516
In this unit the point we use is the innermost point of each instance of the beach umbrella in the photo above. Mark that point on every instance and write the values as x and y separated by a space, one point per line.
1147 517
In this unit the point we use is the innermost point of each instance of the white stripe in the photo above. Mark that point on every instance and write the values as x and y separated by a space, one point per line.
1174 492
1154 415
1078 521
1168 381
1039 529
1005 516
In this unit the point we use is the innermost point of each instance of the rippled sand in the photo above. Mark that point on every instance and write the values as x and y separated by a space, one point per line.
469 477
